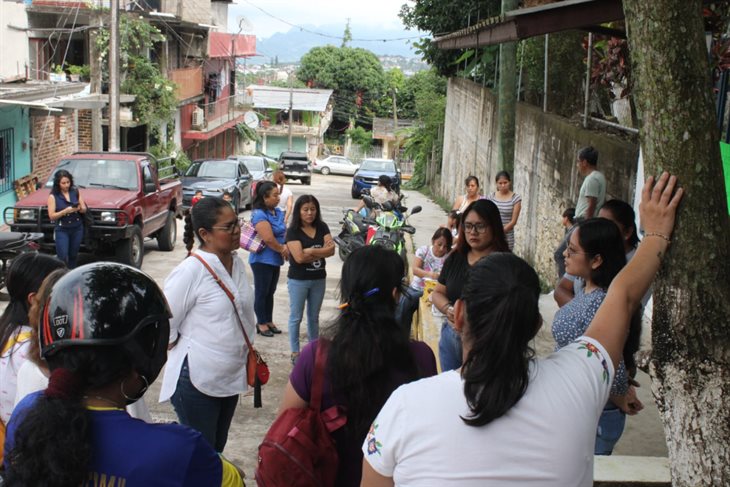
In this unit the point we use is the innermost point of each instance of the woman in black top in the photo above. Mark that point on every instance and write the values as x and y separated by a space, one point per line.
480 233
309 242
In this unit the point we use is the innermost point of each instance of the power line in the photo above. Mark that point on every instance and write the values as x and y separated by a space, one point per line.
329 36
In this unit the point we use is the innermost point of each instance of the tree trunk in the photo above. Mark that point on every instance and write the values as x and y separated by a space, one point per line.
690 364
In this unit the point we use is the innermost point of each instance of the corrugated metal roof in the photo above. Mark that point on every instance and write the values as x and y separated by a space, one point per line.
304 99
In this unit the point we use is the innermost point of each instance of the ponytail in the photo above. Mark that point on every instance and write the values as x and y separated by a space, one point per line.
502 317
52 445
188 237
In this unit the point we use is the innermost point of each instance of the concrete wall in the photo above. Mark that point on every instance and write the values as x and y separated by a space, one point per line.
545 172
18 120
13 61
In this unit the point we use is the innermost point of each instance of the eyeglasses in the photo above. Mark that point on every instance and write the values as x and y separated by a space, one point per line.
230 228
479 228
571 251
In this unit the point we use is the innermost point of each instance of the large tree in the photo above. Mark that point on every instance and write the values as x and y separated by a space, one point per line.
355 75
690 364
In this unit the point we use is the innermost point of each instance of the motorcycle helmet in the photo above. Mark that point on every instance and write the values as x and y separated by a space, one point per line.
108 304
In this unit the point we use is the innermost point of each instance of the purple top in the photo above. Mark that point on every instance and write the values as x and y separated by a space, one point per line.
350 455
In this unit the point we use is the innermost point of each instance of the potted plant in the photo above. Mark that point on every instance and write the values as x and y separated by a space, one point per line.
57 74
77 73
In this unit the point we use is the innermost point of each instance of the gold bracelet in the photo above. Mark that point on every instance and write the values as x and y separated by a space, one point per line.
657 234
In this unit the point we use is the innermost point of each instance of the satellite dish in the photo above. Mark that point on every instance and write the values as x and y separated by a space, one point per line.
244 24
251 119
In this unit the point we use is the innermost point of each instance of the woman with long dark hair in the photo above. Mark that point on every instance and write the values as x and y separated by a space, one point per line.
516 420
471 194
76 430
25 275
369 354
206 368
65 205
266 265
310 243
595 253
480 233
508 203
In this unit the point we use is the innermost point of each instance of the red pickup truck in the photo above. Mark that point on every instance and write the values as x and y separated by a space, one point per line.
130 197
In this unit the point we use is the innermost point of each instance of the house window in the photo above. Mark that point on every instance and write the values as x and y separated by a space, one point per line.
6 160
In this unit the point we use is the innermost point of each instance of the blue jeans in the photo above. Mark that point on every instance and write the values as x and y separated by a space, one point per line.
68 241
310 291
610 428
210 415
265 279
450 354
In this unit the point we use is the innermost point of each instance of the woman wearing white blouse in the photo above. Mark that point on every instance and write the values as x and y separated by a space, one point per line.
206 364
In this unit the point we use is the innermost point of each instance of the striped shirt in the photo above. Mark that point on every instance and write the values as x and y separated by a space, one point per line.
506 208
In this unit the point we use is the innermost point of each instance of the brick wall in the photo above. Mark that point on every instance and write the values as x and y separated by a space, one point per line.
54 136
84 130
545 173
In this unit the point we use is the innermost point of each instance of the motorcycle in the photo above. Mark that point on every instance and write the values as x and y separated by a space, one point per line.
13 244
385 226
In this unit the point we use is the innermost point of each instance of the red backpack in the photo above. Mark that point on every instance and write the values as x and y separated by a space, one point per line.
298 449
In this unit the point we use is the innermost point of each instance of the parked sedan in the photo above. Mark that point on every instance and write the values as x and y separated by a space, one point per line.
215 177
335 165
259 167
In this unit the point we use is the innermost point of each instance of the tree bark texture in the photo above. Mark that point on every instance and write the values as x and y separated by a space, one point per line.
690 364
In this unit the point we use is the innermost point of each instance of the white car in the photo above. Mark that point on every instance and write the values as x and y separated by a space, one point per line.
335 165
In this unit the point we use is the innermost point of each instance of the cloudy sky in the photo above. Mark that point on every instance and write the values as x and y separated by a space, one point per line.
261 14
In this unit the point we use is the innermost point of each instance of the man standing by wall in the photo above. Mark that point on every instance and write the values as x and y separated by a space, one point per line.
593 190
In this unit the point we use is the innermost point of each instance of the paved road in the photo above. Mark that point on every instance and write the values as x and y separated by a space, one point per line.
643 435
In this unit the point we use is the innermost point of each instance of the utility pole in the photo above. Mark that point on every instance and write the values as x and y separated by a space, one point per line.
97 138
507 98
114 79
291 108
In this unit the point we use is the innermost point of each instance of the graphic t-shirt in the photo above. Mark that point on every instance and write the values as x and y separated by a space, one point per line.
311 270
132 453
431 263
545 439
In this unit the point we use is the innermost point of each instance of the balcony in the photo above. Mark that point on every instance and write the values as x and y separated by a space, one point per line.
189 82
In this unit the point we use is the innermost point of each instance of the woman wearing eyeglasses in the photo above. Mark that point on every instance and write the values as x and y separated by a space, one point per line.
595 253
206 361
480 234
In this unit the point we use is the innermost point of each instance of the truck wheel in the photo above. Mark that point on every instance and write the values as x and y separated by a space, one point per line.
168 235
130 251
307 181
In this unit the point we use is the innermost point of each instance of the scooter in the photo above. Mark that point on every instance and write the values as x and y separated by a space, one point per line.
353 234
13 244
391 227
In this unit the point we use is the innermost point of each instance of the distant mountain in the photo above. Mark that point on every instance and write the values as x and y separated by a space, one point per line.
291 46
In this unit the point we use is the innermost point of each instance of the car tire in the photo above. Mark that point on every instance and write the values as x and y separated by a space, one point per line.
325 171
355 194
307 181
168 235
130 251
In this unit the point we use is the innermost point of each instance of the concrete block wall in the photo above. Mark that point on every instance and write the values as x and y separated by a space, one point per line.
54 136
545 173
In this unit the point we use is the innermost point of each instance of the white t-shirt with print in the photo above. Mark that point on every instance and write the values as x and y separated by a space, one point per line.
546 439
